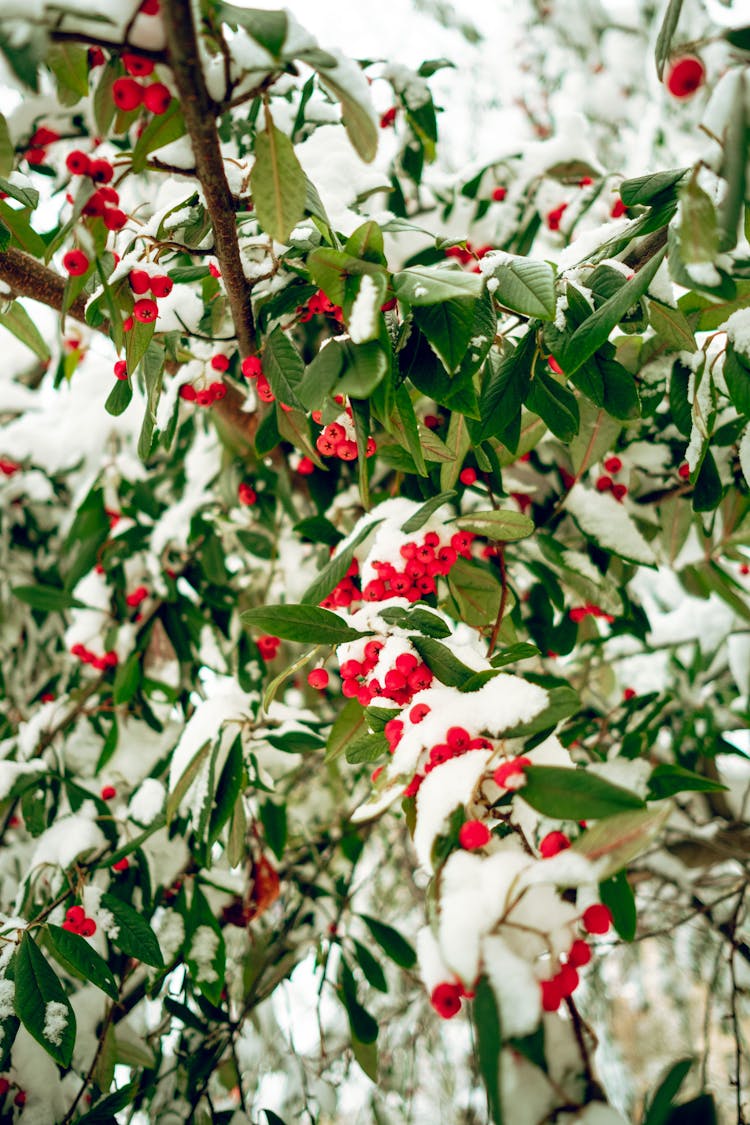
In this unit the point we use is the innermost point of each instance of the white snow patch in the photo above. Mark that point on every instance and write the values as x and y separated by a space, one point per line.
602 517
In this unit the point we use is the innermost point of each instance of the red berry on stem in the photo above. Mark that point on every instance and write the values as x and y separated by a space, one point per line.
613 464
88 927
220 362
685 77
551 995
553 843
499 194
150 8
580 954
139 281
318 679
96 57
77 163
473 834
161 285
388 118
157 98
121 865
446 999
108 792
75 263
597 919
510 775
127 94
137 66
121 369
246 495
114 218
467 476
618 209
101 171
145 310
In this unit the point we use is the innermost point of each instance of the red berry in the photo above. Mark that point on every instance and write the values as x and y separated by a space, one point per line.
305 467
619 491
629 693
75 914
473 834
597 919
188 392
251 367
108 792
20 1099
145 310
220 362
139 281
553 843
551 995
618 209
604 484
214 270
114 218
4 1087
150 7
77 163
88 927
42 137
467 476
75 263
613 464
161 285
156 98
121 369
744 568
554 218
121 865
127 324
685 77
510 775
318 678
567 980
101 171
585 181
418 712
137 65
684 471
96 57
136 597
446 999
499 194
387 119
246 495
127 94
580 954
218 392
204 397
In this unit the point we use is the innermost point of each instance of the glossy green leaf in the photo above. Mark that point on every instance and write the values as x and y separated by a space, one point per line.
304 623
36 987
73 950
278 184
575 794
134 935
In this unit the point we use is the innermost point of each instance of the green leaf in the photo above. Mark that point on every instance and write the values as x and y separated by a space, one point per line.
36 986
739 37
489 1046
393 944
371 967
575 794
732 167
119 398
658 1107
420 517
356 113
595 330
503 525
201 915
366 747
269 29
477 593
365 365
620 390
555 405
27 196
708 489
349 722
273 819
320 376
511 655
506 391
18 321
283 367
7 151
135 937
25 237
666 34
698 1111
671 325
137 341
304 623
161 130
69 64
362 1024
227 791
698 231
448 327
127 679
105 1109
642 189
424 285
444 665
667 779
73 950
526 287
47 598
186 779
404 424
336 568
737 377
278 184
617 893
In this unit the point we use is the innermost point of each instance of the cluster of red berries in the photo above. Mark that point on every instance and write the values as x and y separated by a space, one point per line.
76 922
36 153
101 663
128 94
252 369
20 1097
424 562
400 682
612 466
596 919
337 439
579 612
319 305
473 834
346 591
207 396
103 203
160 285
268 646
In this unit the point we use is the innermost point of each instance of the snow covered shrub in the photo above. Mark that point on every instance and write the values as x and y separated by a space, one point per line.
375 570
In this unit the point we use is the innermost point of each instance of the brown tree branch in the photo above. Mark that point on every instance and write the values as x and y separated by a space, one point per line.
26 277
199 111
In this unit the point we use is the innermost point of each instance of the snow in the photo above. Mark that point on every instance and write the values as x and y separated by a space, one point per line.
11 771
227 703
737 328
703 273
55 1021
147 802
7 998
599 515
515 987
69 838
202 951
363 320
446 787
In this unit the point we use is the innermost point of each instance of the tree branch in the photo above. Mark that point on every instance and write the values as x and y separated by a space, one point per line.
199 111
28 278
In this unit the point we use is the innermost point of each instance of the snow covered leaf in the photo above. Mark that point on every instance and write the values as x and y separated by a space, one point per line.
278 184
347 82
206 953
575 794
305 623
524 285
269 29
422 285
500 525
607 522
620 838
41 1003
75 954
131 933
